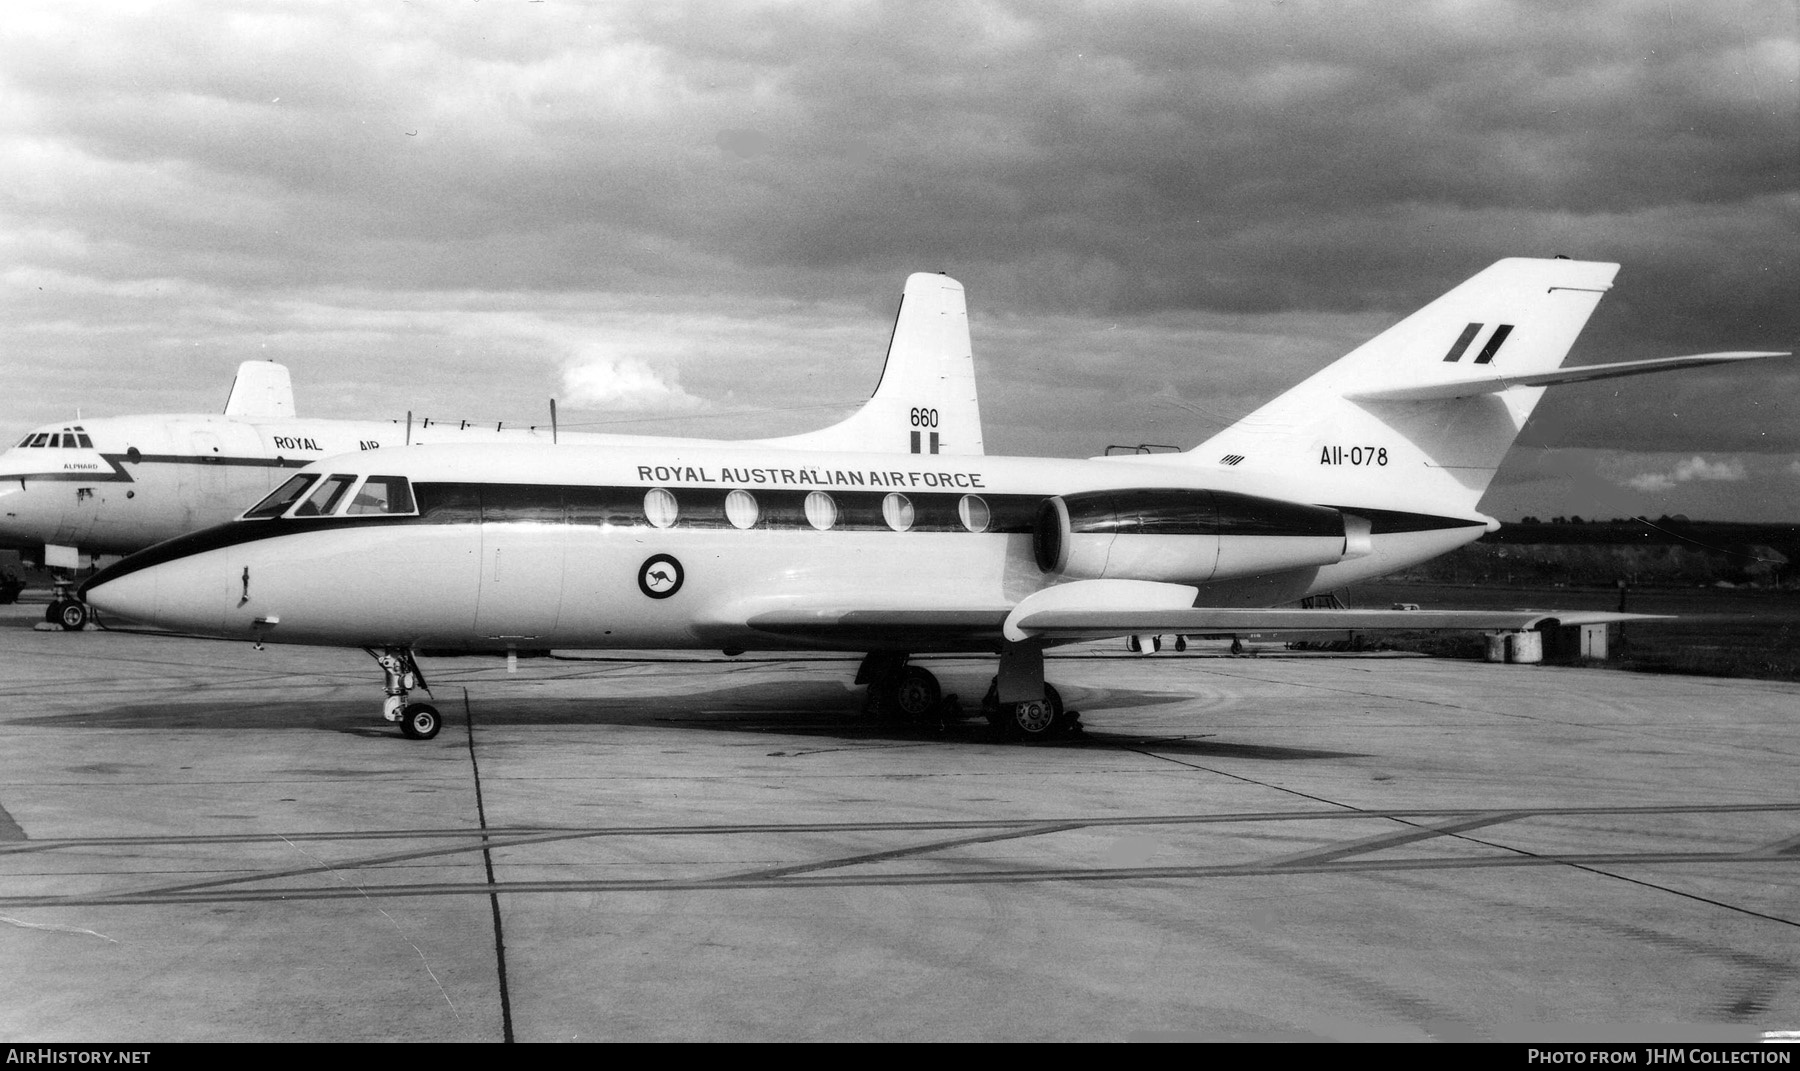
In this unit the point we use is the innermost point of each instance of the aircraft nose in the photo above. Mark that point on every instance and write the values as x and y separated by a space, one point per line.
187 594
132 596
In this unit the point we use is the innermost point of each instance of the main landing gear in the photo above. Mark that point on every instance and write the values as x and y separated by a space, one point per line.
418 721
900 692
903 693
1032 720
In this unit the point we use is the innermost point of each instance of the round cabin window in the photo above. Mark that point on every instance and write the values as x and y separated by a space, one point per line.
821 511
660 507
974 513
741 509
897 510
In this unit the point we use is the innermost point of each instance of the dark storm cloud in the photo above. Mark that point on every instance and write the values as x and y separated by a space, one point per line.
1169 209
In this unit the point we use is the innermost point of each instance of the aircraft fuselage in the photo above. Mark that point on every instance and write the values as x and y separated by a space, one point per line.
738 547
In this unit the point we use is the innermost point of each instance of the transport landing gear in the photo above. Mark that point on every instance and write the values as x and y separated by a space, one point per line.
900 692
67 610
418 721
1032 720
71 614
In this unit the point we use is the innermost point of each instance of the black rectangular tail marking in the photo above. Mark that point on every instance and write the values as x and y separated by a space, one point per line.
1493 344
1462 342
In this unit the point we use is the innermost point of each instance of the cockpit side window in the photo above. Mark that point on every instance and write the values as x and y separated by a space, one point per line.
324 499
382 494
282 497
40 438
86 443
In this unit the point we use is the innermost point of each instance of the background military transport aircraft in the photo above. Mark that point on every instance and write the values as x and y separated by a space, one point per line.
114 485
842 540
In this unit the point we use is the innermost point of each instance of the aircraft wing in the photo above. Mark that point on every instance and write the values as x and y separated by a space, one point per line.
1063 626
1103 609
838 622
1467 388
1100 609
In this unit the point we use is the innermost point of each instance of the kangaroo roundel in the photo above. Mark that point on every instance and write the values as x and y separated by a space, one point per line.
660 576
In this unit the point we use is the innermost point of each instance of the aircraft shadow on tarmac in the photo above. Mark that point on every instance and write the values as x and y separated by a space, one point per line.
801 708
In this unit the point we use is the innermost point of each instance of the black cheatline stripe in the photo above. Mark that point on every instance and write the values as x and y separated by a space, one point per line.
1493 344
203 459
1462 342
118 474
1389 522
861 511
487 859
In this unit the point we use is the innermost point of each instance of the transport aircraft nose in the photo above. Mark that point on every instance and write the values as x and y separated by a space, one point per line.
132 596
184 594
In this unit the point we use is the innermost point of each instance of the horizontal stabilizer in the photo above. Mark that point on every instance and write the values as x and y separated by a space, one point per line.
1469 388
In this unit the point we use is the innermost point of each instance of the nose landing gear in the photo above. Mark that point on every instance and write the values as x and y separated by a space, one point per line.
418 721
65 609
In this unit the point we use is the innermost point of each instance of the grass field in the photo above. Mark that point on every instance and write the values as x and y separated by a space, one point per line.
1721 632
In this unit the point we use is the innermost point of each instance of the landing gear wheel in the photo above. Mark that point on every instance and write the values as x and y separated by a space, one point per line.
70 615
1038 719
916 694
420 721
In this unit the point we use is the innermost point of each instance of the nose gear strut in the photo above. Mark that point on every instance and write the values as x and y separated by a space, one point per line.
418 721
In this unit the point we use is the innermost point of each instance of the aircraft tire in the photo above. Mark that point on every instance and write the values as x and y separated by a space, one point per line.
71 615
916 694
420 721
1032 722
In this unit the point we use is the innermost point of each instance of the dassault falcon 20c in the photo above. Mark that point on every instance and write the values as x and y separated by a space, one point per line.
1374 463
114 485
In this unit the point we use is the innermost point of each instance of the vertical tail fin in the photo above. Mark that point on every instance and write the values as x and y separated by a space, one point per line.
261 391
1517 317
926 401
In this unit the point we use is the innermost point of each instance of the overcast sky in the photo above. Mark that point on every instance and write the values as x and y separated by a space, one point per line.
696 218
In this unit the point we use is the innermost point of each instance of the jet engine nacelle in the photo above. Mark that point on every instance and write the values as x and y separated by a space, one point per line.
1188 536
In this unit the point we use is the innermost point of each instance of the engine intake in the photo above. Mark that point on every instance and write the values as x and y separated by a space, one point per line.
1183 535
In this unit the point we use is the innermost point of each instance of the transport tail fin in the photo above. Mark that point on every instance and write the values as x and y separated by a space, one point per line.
261 391
925 402
1413 419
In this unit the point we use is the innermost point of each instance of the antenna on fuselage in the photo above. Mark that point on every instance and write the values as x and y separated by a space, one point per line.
553 422
409 427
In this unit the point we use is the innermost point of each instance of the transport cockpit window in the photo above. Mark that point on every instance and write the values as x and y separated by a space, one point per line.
382 495
282 497
325 498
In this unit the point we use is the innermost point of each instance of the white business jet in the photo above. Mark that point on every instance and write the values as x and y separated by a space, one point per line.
839 541
114 485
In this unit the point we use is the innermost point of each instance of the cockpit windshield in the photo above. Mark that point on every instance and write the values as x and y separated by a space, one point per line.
325 497
282 497
382 494
71 438
377 496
